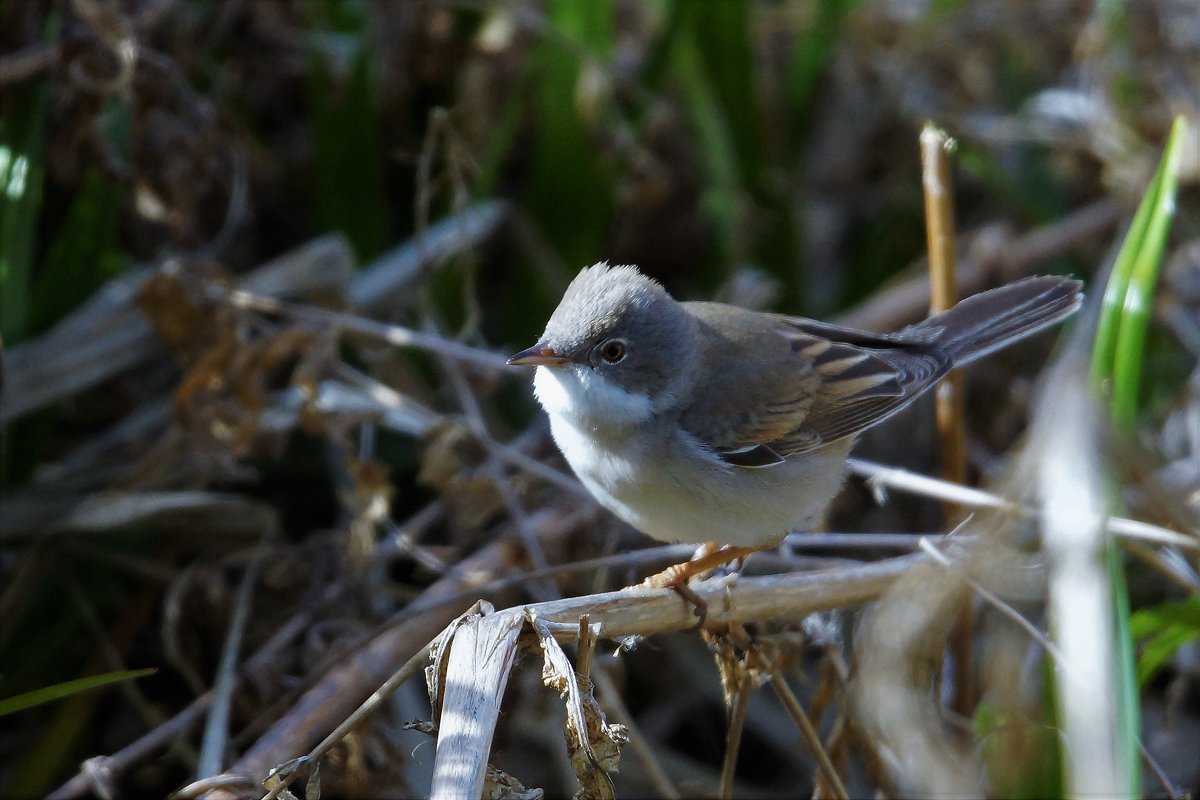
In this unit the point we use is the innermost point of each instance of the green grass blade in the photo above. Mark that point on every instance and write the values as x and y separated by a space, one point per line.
59 691
83 253
1139 255
1139 294
720 35
1163 629
1117 357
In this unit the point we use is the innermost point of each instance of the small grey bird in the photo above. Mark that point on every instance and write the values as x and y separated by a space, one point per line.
704 422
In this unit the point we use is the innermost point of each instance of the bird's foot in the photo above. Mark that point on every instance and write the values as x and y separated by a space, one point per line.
678 576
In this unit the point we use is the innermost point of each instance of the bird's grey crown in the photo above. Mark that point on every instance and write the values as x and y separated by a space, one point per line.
606 302
597 302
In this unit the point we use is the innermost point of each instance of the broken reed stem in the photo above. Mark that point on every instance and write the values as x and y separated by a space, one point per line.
950 407
939 234
587 643
809 733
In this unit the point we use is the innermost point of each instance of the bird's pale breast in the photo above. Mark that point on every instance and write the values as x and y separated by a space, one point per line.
666 484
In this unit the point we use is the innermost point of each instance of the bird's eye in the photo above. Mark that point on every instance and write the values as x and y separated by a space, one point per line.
612 351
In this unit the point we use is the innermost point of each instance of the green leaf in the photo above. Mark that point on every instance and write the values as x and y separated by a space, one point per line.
1162 630
720 35
1117 356
1128 298
1148 621
48 694
716 149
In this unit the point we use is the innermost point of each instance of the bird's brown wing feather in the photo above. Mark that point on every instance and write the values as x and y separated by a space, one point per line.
811 384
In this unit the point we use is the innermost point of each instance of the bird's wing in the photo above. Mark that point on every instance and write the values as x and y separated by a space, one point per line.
808 384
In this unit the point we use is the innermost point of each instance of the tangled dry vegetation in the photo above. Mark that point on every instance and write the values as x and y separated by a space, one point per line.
256 444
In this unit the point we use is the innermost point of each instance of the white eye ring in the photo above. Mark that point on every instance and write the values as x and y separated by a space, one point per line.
613 351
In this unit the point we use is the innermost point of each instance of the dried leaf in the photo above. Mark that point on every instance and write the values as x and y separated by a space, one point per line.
593 745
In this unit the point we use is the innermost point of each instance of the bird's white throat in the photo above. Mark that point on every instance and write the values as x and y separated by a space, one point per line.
585 399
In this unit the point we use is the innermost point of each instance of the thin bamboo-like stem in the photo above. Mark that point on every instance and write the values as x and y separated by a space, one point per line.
939 233
950 407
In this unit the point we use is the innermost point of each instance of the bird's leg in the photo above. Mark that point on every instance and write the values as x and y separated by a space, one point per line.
708 556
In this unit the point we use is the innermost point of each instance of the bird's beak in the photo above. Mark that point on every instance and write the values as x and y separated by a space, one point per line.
538 356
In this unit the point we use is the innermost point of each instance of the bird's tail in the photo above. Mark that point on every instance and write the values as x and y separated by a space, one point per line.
990 320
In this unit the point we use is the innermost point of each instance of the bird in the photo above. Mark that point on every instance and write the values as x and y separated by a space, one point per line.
716 425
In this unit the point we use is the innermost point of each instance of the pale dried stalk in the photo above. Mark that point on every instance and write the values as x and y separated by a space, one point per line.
185 511
611 700
392 334
108 335
216 729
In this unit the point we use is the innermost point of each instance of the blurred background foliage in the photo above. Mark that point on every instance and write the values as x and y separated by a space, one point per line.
763 152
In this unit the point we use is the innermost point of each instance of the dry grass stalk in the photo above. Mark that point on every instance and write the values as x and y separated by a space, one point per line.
808 731
610 699
898 647
881 476
939 232
950 395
